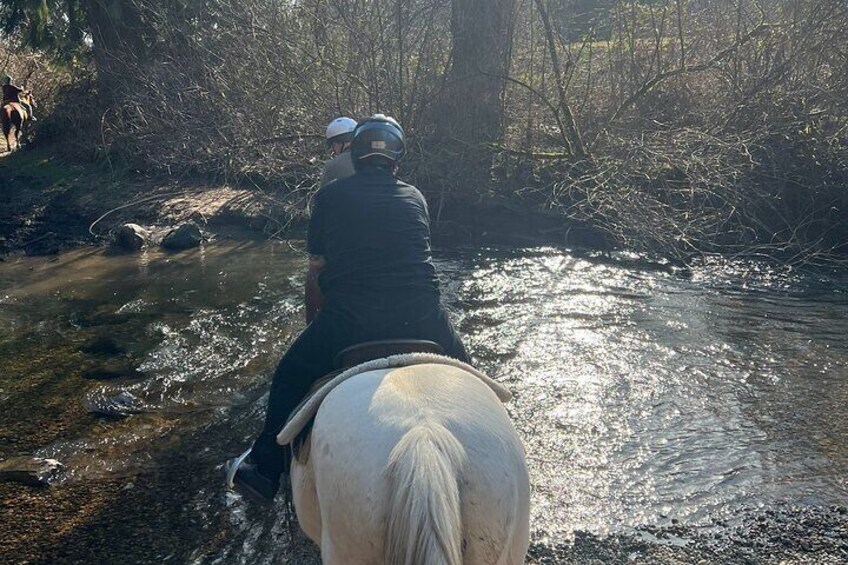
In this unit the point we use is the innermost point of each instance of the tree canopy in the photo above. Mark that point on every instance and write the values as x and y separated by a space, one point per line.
60 27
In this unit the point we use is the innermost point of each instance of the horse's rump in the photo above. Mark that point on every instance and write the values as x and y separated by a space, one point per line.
9 108
13 117
300 420
427 449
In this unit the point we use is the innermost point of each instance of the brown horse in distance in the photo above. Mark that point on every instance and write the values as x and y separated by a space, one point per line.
14 118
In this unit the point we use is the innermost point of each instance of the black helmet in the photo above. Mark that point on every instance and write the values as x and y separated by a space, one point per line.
377 142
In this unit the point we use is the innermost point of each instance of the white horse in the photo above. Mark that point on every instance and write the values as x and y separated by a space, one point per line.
416 465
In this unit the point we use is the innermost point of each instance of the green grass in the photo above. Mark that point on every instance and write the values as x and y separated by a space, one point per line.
43 168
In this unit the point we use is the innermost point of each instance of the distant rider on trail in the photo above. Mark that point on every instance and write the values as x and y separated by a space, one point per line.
11 93
371 277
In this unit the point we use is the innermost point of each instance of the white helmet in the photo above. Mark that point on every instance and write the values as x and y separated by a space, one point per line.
340 130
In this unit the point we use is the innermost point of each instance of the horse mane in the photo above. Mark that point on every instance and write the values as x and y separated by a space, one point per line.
424 507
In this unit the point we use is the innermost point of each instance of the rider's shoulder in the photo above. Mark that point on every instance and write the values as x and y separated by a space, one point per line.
407 187
331 188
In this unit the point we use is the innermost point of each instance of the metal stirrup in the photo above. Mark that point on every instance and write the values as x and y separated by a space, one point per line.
234 467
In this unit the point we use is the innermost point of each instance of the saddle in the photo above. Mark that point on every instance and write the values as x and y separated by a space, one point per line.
362 358
370 350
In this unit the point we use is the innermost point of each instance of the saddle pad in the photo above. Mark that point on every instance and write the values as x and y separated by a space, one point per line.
309 408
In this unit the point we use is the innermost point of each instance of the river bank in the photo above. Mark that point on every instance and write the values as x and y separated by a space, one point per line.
49 202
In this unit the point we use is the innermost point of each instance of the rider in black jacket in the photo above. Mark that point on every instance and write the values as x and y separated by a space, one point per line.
370 277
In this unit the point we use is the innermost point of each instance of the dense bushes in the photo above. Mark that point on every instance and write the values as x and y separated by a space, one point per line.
711 127
679 126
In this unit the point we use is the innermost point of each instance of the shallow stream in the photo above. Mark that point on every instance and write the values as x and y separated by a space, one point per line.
643 398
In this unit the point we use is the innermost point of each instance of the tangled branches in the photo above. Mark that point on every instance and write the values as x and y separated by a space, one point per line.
687 192
733 141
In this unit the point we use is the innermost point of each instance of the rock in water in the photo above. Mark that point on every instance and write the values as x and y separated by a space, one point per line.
34 471
132 237
114 406
184 237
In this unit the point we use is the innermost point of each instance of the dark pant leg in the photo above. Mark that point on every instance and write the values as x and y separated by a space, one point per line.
309 358
441 330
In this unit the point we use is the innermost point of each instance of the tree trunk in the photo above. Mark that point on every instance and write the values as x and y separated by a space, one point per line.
470 112
472 106
121 39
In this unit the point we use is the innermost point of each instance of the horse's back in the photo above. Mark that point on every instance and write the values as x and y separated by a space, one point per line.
375 409
370 421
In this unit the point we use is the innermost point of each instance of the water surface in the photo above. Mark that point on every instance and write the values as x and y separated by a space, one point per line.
642 397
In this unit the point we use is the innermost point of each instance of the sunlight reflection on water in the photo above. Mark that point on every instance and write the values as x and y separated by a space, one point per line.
641 397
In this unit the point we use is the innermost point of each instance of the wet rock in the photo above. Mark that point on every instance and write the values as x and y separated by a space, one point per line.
184 237
113 406
132 237
33 471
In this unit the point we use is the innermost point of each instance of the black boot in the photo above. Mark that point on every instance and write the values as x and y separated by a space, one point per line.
258 475
253 484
